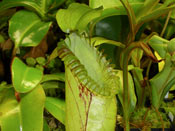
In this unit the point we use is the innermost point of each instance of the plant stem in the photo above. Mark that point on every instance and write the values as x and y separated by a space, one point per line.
166 23
14 52
126 93
132 19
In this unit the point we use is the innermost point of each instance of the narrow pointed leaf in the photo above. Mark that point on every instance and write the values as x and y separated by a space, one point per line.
76 17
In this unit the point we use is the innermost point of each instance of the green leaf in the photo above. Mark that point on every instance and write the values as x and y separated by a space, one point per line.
170 30
31 110
56 107
76 17
56 4
159 11
140 90
53 55
9 111
136 56
56 76
50 85
100 40
24 78
119 10
46 126
1 39
173 14
147 7
160 82
4 85
168 2
159 45
171 46
109 3
6 4
40 6
27 29
104 3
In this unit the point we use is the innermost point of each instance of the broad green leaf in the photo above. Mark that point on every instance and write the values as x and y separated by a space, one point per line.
100 40
27 29
159 45
56 76
56 107
110 3
24 78
160 82
6 4
119 10
9 111
76 17
40 6
104 3
133 99
31 110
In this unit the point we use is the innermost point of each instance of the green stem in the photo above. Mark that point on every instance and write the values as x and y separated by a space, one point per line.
126 94
166 23
14 52
132 20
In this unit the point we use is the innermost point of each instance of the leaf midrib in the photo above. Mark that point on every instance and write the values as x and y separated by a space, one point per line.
26 31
